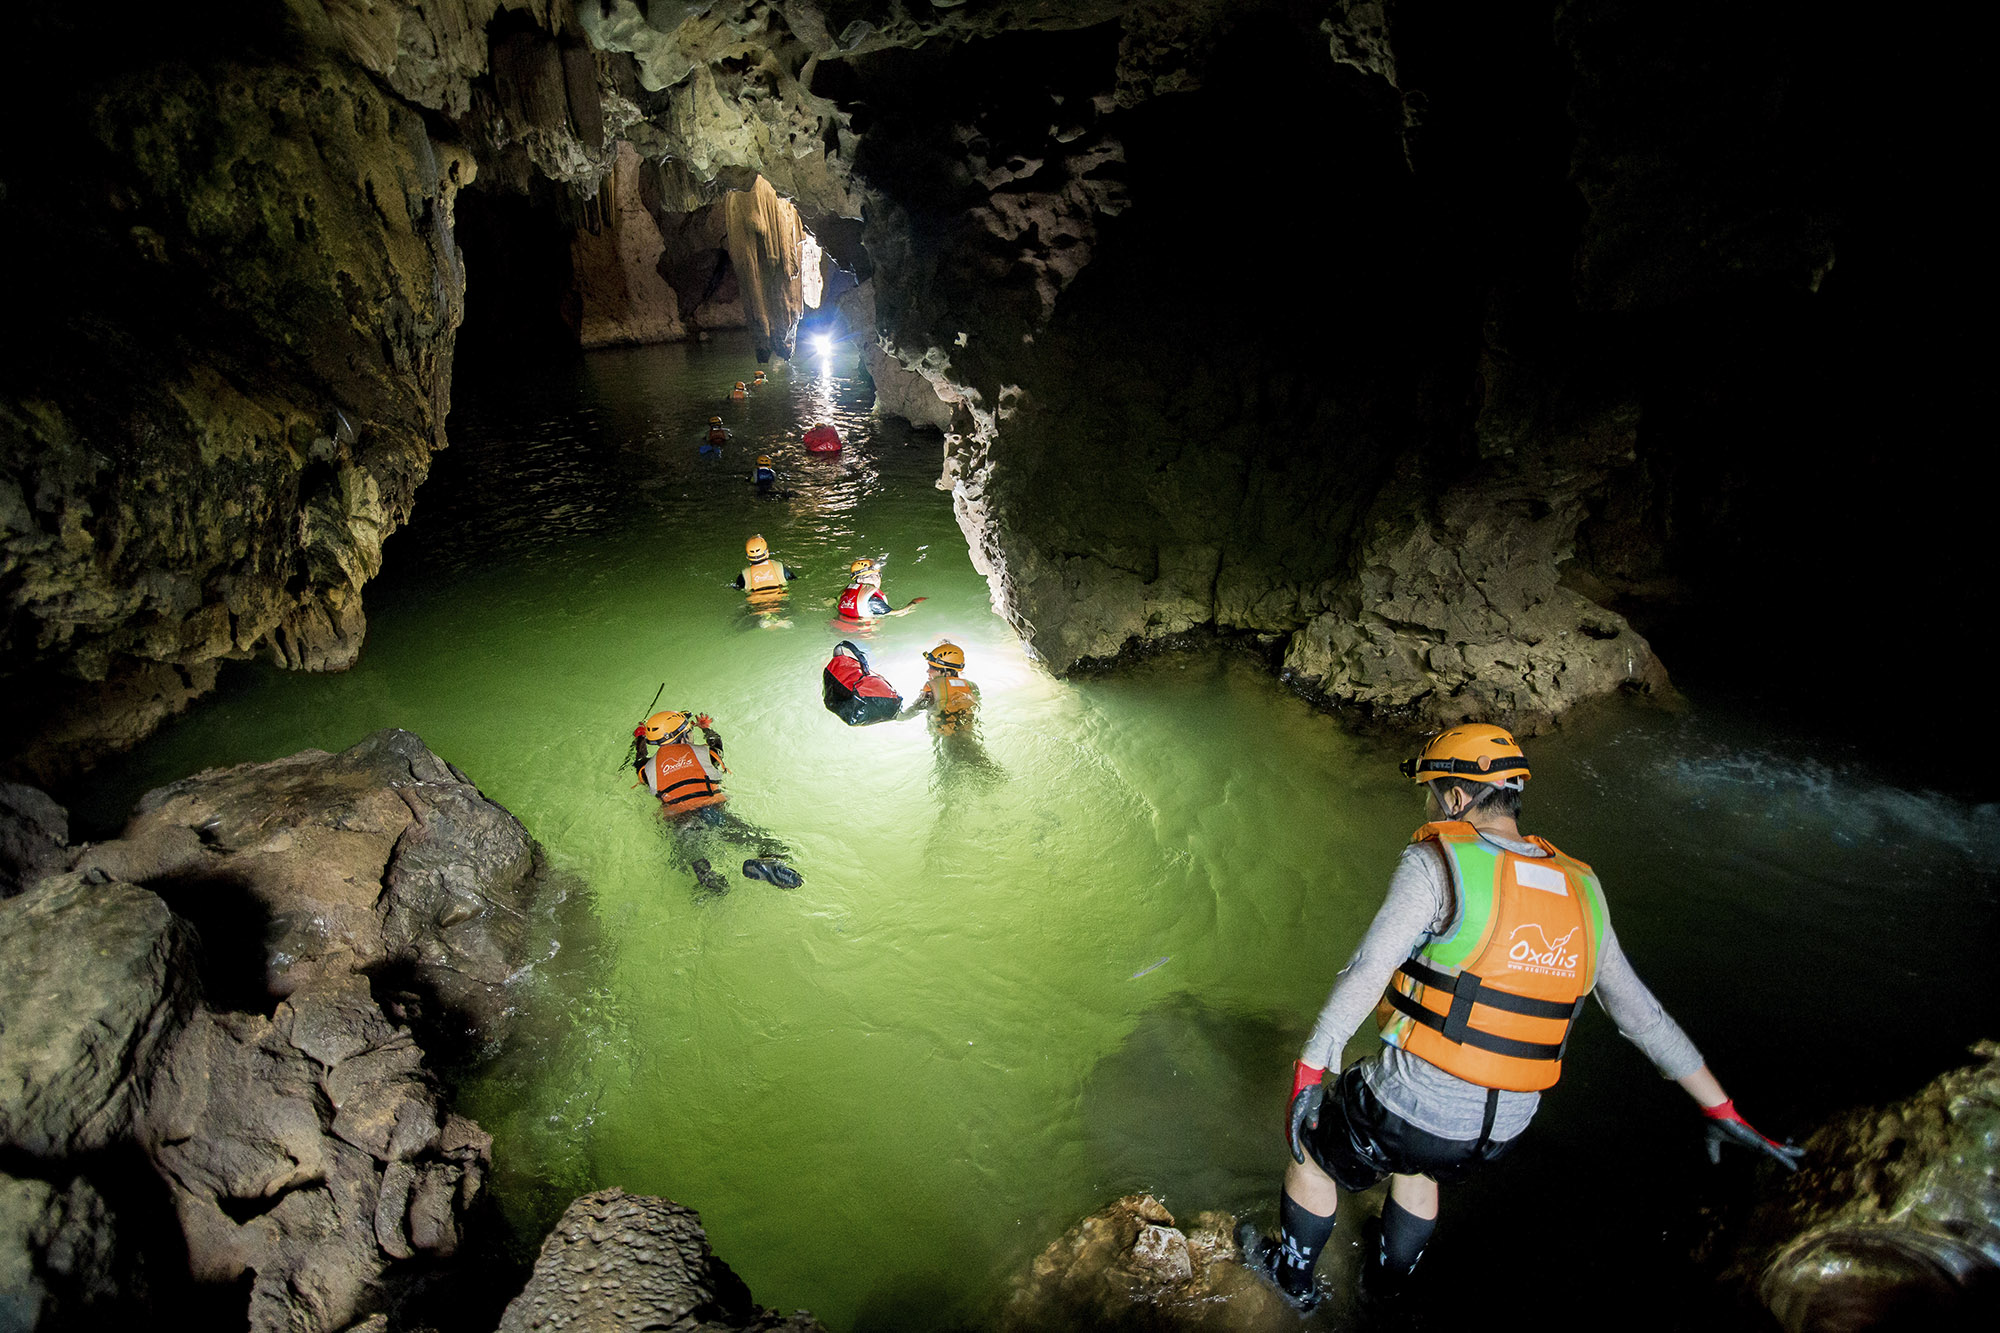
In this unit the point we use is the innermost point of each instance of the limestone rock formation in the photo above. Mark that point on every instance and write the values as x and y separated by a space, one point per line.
1894 1218
618 1262
382 858
306 1151
1129 1267
310 1149
59 1260
34 837
624 298
764 247
1359 328
206 442
96 982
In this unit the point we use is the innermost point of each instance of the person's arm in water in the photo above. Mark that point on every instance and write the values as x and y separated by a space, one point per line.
791 573
737 583
713 737
925 700
1645 1023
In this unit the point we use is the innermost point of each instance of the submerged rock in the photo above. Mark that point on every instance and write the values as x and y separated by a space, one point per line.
1894 1220
620 1263
1129 1267
381 859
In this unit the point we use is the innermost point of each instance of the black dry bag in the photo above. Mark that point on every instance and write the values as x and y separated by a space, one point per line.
854 694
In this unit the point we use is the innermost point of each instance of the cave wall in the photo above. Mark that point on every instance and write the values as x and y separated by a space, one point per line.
227 361
1434 351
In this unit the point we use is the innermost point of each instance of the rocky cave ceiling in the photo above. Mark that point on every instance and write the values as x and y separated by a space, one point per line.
1432 349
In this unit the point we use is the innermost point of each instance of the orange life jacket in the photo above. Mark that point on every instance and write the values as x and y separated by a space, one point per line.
764 576
954 710
679 775
1492 1001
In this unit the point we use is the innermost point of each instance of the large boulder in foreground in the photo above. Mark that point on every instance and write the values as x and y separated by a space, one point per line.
1129 1267
96 981
34 837
620 1262
308 1152
382 859
58 1256
1893 1220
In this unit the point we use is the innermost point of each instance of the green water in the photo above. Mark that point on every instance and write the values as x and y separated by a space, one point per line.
1076 957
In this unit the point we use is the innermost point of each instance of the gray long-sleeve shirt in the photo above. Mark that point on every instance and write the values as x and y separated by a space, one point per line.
1420 907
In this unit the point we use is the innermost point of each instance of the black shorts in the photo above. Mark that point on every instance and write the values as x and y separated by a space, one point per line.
1359 1142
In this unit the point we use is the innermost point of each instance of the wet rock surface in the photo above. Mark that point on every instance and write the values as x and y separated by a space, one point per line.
220 402
59 1264
382 859
34 836
619 1261
298 1152
1893 1221
96 983
309 1151
1129 1266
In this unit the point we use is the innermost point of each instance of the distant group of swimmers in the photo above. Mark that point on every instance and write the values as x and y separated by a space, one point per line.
821 438
687 777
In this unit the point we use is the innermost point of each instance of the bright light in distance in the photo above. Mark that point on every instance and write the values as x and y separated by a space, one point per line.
823 344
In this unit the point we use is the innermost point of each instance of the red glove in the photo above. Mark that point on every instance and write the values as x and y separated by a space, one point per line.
704 721
1303 1108
639 732
1726 1124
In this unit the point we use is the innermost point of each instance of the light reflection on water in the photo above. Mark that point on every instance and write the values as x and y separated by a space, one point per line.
887 1090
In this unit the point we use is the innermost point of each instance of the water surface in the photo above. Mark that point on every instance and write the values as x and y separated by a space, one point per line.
1076 958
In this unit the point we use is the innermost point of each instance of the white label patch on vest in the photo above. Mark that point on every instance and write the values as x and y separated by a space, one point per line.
1546 878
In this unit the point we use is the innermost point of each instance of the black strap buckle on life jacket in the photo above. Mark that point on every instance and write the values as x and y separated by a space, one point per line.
706 784
1468 989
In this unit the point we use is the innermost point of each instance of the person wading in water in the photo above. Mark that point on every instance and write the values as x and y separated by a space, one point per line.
1475 967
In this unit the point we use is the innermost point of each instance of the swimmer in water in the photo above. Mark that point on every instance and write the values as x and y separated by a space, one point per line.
947 696
687 779
863 600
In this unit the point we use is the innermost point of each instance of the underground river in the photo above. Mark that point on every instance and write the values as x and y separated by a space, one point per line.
1076 960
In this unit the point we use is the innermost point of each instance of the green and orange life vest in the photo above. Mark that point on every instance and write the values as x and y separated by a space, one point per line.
1492 1001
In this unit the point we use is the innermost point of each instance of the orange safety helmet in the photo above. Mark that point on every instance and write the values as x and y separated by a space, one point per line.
863 563
763 460
1476 752
757 549
715 421
947 657
664 728
739 384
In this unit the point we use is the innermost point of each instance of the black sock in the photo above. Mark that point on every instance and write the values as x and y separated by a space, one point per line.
1404 1236
1301 1236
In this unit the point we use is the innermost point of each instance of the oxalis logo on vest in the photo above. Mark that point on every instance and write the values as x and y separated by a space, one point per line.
1536 954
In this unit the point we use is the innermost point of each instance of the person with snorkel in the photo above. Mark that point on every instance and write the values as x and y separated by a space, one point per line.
687 779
